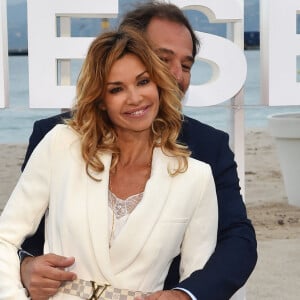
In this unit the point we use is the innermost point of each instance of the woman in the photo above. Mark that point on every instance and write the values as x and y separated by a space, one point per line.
121 195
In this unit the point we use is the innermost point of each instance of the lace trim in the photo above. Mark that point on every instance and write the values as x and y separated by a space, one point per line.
122 207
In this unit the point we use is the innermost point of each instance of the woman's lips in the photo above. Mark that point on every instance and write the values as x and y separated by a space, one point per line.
138 112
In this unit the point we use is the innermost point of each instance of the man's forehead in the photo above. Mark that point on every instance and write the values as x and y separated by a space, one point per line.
168 35
164 51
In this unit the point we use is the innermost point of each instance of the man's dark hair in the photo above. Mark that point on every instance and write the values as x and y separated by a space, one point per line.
141 16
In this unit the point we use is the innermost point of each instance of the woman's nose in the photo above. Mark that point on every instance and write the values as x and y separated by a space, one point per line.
134 96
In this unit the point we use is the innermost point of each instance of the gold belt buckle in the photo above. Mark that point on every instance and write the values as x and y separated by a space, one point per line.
97 290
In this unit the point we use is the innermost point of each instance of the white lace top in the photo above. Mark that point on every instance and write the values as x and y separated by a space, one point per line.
119 211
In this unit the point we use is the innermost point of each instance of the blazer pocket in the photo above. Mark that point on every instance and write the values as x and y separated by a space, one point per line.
174 220
168 236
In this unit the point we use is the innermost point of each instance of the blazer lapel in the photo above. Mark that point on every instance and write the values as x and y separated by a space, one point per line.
97 201
139 226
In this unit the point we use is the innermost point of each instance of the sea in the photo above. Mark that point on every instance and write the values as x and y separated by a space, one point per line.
17 120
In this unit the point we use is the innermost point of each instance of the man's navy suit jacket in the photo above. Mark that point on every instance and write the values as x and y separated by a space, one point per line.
235 255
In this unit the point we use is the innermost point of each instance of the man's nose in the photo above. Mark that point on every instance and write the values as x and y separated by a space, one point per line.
177 72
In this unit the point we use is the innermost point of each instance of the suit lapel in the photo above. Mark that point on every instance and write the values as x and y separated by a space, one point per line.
142 220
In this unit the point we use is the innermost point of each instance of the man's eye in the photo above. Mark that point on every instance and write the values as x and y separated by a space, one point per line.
164 59
115 90
186 68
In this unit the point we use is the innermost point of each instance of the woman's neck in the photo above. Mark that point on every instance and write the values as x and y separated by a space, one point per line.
132 171
135 149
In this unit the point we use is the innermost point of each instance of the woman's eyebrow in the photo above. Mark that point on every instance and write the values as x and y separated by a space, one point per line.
120 82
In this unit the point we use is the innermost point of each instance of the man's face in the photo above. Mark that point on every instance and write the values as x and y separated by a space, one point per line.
173 44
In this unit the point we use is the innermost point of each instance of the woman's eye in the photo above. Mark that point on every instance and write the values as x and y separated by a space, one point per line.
115 90
144 81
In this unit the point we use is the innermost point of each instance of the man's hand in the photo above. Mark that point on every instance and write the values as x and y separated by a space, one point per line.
43 275
167 295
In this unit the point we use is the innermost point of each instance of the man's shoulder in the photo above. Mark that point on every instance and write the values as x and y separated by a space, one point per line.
195 129
53 120
205 142
43 126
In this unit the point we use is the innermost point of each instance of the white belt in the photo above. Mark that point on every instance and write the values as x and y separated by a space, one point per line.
93 291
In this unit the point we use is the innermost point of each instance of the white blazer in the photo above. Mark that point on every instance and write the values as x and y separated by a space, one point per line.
176 215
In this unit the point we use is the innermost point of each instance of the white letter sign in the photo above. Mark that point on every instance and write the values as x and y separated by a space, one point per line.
45 48
3 56
226 58
280 46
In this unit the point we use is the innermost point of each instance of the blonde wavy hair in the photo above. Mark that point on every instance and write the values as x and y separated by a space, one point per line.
97 132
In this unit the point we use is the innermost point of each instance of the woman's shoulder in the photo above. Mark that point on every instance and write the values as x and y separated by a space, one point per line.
61 136
64 131
195 165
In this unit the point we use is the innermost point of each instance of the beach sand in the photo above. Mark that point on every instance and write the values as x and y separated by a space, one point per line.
277 224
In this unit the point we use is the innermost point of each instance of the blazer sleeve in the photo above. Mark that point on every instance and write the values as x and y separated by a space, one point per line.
21 217
235 255
34 244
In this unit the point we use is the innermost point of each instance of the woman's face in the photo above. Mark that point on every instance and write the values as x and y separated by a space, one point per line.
131 98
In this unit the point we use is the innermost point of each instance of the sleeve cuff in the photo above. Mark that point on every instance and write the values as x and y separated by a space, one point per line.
23 254
187 292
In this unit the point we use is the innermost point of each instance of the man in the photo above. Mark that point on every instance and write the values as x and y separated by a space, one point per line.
172 37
